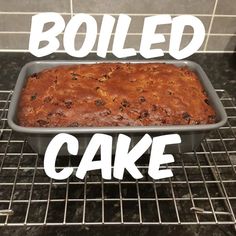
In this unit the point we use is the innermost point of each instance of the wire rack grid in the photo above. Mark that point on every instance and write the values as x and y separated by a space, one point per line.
202 190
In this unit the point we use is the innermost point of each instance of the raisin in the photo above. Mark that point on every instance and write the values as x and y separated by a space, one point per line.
50 114
74 76
206 101
119 117
125 103
35 75
163 121
142 99
186 116
47 99
33 97
60 113
68 103
117 67
42 122
99 102
154 107
144 114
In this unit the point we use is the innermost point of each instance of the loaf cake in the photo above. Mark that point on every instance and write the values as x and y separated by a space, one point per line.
114 94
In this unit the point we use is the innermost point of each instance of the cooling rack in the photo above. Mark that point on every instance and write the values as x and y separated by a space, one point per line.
202 190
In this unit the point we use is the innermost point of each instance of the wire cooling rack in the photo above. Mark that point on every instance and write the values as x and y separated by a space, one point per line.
202 190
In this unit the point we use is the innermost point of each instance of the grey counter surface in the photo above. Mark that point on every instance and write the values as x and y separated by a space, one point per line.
221 70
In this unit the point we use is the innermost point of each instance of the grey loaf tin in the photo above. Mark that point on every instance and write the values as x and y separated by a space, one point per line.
191 135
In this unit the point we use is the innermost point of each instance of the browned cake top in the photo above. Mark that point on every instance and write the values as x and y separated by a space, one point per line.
114 94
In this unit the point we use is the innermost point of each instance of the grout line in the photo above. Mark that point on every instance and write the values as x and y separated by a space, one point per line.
210 26
84 33
153 14
109 51
71 8
217 15
30 13
114 14
216 34
14 32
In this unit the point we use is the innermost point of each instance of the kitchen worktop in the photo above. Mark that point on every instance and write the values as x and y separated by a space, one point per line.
221 70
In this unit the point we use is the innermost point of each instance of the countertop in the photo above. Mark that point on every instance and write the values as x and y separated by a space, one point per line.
221 70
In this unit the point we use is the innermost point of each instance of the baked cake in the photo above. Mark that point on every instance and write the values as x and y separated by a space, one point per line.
114 94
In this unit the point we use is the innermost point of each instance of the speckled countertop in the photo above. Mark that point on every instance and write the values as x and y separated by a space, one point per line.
221 70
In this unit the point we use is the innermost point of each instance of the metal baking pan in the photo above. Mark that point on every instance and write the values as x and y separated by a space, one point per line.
191 135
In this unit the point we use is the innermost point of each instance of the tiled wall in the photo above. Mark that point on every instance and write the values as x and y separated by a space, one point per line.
218 16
